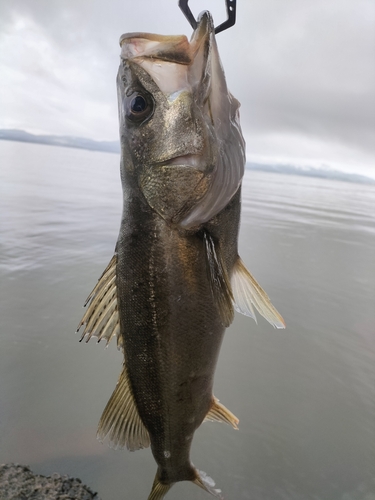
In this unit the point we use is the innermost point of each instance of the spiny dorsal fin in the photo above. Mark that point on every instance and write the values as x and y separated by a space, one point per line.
120 419
219 281
247 292
101 319
219 413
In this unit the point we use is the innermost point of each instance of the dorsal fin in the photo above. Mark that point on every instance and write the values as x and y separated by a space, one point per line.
120 419
219 413
219 280
101 319
247 292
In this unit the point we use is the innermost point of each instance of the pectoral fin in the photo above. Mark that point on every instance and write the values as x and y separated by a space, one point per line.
219 280
120 419
219 413
101 319
247 292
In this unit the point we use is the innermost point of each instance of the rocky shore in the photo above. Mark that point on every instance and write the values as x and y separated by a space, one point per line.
18 482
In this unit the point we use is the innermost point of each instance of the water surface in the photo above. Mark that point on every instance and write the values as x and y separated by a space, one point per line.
305 396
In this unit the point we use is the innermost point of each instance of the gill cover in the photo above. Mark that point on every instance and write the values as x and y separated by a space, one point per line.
187 152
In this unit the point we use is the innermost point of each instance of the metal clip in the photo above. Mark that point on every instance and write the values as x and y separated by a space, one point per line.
231 12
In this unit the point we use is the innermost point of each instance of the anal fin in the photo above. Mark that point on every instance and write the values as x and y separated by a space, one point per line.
247 292
120 419
219 413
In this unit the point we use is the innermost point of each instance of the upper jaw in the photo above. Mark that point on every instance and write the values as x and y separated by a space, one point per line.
200 162
189 160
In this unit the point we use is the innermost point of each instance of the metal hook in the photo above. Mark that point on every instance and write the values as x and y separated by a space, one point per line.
231 12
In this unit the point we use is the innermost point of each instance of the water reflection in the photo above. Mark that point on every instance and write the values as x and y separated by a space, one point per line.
305 396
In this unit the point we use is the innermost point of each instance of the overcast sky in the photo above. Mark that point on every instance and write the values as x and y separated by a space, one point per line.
304 71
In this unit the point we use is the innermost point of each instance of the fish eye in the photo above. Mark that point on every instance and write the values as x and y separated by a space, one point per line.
138 104
139 107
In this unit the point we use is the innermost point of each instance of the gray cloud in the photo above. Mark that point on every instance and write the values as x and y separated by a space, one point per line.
302 70
311 70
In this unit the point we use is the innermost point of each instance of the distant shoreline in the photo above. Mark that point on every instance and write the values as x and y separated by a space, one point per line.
65 141
114 147
320 173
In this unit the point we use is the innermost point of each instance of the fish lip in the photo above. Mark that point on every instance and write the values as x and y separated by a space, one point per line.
188 160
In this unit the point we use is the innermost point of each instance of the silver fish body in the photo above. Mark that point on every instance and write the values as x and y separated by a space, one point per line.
171 288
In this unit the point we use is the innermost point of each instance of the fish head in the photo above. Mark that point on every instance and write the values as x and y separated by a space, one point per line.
181 141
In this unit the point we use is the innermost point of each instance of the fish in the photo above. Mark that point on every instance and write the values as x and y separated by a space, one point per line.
175 279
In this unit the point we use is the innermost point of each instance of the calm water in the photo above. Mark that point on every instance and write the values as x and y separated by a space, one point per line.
305 396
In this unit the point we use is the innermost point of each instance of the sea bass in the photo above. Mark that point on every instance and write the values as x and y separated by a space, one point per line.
175 279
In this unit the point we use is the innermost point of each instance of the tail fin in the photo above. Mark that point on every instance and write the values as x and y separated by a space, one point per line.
159 490
207 483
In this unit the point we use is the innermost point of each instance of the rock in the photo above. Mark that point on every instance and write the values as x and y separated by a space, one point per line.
18 482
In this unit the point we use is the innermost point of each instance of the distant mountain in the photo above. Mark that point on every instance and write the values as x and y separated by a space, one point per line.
114 147
56 140
322 173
